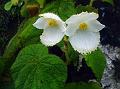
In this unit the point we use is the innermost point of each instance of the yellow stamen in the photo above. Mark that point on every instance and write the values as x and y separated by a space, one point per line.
52 22
83 26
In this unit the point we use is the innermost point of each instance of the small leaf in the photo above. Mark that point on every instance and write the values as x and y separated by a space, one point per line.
96 60
109 1
8 6
24 12
34 68
82 85
15 2
41 2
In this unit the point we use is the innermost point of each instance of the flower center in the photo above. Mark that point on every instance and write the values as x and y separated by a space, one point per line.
52 22
83 26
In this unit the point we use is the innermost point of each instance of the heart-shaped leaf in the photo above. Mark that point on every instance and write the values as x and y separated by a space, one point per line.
96 60
34 68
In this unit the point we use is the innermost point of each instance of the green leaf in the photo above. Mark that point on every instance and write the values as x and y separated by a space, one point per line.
82 85
86 8
51 7
96 60
8 6
62 8
14 2
66 9
41 2
26 32
34 68
73 55
24 12
109 1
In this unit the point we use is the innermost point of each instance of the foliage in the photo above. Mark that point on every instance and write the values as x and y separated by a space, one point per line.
25 33
8 6
35 69
96 60
32 65
59 6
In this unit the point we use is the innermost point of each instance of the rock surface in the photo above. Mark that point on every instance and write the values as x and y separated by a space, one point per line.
111 74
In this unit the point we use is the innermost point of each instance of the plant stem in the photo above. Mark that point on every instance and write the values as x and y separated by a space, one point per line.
91 2
66 50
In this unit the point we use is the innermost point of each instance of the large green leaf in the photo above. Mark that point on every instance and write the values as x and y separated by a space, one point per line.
62 8
96 60
82 85
66 9
34 68
26 32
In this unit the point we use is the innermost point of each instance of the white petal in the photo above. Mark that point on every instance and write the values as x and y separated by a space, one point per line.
40 23
90 16
84 41
50 15
82 17
71 30
75 18
52 36
95 26
62 25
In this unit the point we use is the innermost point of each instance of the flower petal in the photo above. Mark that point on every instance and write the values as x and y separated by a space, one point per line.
75 18
62 25
84 41
95 26
71 30
40 23
90 16
50 15
82 17
52 36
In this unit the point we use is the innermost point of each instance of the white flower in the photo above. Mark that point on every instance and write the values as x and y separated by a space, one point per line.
83 31
54 28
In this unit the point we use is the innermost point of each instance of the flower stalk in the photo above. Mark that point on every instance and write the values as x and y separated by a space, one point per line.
91 2
66 50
